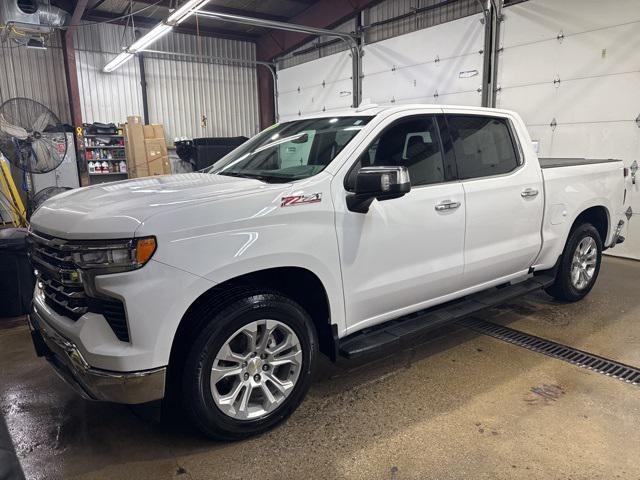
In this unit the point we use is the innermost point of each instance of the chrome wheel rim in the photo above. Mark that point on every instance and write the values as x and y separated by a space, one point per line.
256 369
583 265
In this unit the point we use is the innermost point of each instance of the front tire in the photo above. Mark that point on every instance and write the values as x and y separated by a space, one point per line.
579 265
250 367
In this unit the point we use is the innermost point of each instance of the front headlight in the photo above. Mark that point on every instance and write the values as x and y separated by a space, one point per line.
116 256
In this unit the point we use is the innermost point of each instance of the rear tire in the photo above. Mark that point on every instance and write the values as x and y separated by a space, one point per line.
237 352
579 265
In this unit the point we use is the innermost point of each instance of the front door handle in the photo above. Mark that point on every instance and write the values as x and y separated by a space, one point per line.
529 192
447 205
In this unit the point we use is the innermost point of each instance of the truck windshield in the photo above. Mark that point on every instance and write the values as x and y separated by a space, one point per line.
291 151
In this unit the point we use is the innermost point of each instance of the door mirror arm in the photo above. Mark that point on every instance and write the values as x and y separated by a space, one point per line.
378 183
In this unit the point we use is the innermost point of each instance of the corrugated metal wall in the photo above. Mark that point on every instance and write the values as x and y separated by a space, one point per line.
180 90
106 97
35 74
392 18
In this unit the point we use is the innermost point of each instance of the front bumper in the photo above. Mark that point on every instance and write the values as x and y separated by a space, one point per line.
91 383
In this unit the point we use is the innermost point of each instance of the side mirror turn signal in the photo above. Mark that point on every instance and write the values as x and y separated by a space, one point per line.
381 183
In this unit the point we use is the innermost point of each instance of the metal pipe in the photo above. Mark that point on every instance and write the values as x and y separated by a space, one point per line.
238 61
351 40
143 87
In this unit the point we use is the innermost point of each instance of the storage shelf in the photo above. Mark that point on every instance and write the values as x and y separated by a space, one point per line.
105 174
104 136
107 160
106 146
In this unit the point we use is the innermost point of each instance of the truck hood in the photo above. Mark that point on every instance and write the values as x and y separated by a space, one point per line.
116 210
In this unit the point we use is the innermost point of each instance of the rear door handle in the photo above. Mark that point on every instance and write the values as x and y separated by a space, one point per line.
447 205
529 192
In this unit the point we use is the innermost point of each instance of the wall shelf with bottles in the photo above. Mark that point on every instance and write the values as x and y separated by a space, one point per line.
105 157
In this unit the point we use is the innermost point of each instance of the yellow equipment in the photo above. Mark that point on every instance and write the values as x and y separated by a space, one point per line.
10 195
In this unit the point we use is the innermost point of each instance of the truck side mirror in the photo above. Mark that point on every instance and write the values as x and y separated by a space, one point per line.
381 183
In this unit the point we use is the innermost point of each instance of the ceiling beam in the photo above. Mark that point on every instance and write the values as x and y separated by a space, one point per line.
321 14
70 70
149 23
231 10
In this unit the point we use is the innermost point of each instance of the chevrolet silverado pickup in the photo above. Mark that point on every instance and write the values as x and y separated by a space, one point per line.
340 234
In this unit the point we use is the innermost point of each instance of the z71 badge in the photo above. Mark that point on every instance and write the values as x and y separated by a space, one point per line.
301 199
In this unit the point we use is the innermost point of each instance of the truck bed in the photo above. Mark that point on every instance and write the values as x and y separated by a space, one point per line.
572 162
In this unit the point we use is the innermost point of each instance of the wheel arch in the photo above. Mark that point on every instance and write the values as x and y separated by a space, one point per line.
296 283
599 217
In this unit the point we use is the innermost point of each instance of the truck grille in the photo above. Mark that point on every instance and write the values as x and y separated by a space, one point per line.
63 287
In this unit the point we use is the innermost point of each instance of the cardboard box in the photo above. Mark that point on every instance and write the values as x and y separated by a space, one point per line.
149 132
142 171
158 131
166 165
155 148
160 166
155 167
134 120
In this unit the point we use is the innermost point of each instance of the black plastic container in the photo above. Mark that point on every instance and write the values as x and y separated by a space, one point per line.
204 152
16 274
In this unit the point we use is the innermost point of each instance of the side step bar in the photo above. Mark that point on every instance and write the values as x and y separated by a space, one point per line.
405 328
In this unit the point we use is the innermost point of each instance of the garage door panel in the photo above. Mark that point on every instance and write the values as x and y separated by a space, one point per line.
596 140
311 74
599 99
539 20
464 36
535 103
456 75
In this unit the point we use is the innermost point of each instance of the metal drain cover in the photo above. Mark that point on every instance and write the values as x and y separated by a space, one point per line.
587 360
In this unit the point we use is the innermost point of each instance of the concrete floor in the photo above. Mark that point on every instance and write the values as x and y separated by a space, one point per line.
458 406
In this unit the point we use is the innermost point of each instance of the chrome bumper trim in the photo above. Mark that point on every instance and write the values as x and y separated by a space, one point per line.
91 383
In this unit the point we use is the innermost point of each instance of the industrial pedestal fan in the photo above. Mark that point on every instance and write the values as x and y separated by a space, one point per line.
33 139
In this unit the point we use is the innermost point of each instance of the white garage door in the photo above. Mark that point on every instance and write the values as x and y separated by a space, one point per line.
441 64
571 68
317 86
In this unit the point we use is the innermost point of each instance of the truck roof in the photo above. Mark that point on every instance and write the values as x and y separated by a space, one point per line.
372 109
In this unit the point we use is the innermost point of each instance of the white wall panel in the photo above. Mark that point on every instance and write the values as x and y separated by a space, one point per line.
321 85
591 49
35 74
180 89
421 67
106 97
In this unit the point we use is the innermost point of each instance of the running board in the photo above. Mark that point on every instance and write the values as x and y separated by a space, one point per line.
406 328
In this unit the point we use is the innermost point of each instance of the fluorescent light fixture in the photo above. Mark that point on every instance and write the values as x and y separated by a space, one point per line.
121 59
151 36
185 11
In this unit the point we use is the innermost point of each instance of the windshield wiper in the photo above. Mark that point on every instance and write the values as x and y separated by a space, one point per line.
242 175
256 176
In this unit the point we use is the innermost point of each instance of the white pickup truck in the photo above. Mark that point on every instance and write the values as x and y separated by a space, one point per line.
342 233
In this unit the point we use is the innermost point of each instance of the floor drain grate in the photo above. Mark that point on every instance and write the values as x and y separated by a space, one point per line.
611 368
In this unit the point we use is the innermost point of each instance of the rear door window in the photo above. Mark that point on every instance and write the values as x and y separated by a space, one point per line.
483 145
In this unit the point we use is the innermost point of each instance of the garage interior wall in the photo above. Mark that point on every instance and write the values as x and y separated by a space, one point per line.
35 74
180 90
572 70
